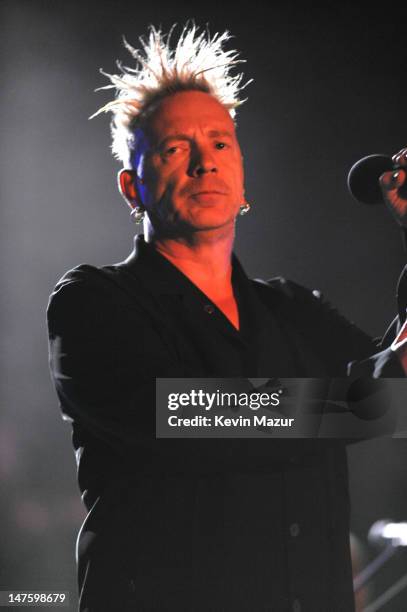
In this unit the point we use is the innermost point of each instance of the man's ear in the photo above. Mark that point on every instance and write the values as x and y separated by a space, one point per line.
127 184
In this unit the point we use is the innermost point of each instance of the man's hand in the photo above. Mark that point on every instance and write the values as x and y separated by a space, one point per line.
394 188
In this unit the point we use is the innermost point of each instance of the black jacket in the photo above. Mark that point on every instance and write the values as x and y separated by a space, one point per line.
200 524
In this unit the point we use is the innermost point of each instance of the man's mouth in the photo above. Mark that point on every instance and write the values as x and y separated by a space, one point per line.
208 191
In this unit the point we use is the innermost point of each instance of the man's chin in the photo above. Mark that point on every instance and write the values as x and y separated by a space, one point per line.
204 220
213 225
209 219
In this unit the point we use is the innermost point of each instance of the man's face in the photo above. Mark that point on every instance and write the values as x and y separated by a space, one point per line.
190 164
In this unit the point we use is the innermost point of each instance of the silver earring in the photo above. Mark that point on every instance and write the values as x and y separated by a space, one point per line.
244 209
137 214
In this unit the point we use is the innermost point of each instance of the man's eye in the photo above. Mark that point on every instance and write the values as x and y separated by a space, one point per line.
220 145
171 150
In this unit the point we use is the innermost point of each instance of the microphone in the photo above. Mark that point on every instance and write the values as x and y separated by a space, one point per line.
386 531
363 178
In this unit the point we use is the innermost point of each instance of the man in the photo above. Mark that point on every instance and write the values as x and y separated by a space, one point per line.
197 524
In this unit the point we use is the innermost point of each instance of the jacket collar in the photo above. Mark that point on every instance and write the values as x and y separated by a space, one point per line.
161 276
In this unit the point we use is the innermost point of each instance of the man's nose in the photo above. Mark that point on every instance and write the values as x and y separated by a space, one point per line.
202 162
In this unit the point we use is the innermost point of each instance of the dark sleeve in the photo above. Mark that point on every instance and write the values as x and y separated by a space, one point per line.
345 349
363 355
104 356
384 363
325 340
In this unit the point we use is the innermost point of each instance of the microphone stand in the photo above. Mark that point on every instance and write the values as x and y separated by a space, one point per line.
366 574
388 595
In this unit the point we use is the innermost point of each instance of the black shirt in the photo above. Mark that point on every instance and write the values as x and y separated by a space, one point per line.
199 524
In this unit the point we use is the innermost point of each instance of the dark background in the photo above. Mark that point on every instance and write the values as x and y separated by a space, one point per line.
329 87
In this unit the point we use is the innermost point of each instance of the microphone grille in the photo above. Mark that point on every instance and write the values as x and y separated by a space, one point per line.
363 178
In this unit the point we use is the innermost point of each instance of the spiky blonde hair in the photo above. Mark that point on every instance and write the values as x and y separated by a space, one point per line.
198 62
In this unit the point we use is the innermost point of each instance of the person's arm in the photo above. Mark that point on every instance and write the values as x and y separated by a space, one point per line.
315 327
104 357
391 361
342 347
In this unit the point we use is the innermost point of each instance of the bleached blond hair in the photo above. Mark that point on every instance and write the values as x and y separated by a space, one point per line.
198 62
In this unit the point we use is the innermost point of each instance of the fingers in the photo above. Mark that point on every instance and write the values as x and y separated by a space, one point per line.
400 158
393 180
390 183
393 185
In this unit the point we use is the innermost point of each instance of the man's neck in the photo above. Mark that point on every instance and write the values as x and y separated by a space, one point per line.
204 257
